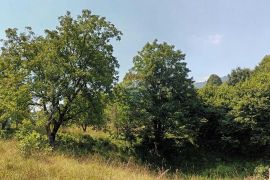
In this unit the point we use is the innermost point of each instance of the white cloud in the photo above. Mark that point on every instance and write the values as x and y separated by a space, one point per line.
215 39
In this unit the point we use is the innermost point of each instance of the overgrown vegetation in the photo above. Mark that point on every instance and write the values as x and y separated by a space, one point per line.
55 84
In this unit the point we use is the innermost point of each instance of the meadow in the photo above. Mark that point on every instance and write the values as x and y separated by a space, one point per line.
104 161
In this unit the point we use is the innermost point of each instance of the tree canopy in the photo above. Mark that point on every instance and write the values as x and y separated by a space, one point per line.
214 80
164 94
72 63
238 75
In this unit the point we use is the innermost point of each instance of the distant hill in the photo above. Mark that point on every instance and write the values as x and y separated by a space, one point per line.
199 85
224 78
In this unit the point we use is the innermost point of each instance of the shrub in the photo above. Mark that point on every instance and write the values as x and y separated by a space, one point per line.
5 134
262 171
75 144
33 142
30 139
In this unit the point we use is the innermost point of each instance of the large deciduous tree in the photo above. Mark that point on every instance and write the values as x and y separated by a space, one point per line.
74 61
71 65
164 93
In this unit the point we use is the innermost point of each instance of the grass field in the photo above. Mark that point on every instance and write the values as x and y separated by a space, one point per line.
55 166
61 165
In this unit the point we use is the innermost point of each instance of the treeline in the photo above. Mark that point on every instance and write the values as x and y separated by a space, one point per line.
237 111
68 76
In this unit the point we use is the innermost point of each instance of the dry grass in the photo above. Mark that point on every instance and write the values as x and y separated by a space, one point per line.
53 166
60 165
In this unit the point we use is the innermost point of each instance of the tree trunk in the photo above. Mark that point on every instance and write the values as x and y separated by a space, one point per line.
51 138
51 133
3 124
158 135
84 127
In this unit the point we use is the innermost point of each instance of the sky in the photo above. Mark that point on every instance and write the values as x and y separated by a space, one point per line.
216 35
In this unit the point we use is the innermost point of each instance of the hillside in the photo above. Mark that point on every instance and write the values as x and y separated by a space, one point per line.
62 164
59 166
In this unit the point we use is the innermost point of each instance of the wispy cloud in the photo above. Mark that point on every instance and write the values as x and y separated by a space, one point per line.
215 39
206 40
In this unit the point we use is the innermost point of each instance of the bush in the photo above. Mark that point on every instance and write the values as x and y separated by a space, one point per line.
67 140
75 144
31 139
3 134
262 171
26 127
33 142
6 134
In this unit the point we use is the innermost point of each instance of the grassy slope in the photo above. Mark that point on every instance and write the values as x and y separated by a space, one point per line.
60 165
14 166
233 169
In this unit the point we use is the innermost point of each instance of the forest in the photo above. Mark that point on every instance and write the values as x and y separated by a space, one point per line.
61 102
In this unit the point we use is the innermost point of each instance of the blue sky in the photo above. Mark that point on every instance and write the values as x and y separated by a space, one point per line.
215 35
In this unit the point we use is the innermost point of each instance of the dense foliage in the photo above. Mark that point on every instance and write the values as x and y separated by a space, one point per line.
238 115
238 75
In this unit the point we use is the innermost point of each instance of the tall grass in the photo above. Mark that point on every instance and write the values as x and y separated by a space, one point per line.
59 166
95 164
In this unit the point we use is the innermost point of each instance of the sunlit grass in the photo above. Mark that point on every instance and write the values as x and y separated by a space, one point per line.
61 165
56 166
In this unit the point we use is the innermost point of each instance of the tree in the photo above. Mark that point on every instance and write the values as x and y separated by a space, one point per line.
14 92
264 65
165 94
70 64
214 80
88 111
218 123
238 75
79 64
252 113
121 111
237 116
